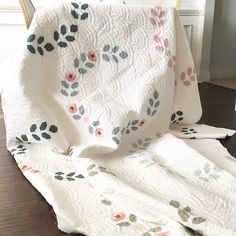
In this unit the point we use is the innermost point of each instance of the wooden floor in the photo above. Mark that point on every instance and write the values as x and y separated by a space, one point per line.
23 212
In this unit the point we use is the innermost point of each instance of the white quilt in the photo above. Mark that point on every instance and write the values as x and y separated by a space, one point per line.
88 105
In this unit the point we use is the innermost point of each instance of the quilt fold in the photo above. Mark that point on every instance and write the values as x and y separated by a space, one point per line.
100 111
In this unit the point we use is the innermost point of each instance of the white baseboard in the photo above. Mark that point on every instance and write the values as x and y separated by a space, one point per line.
222 74
204 76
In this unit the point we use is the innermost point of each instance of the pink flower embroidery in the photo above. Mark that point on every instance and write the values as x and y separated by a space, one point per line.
188 77
142 122
163 234
158 16
70 77
73 108
99 132
118 216
92 56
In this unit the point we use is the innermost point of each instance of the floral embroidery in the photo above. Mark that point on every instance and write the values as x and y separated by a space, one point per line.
208 173
153 104
177 117
94 170
113 53
20 149
38 44
78 112
92 56
63 36
39 132
188 131
132 125
70 176
73 108
69 85
163 47
140 145
85 62
93 128
188 77
79 11
28 168
186 213
118 216
158 16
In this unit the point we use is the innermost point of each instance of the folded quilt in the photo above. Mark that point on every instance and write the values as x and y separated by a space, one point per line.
88 106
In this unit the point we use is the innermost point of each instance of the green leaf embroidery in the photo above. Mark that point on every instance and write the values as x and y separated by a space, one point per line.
89 64
187 209
155 94
31 38
33 128
95 123
106 202
156 229
74 14
106 57
183 215
132 218
82 71
81 110
106 48
154 112
71 174
92 173
84 16
63 30
24 138
36 137
31 49
65 84
62 44
58 177
135 122
73 28
46 136
49 47
149 111
123 55
76 63
115 130
43 126
75 5
90 129
116 140
198 220
151 102
75 85
156 104
83 57
115 49
74 94
84 6
56 35
90 167
174 203
76 117
53 129
64 92
40 51
70 38
124 224
40 40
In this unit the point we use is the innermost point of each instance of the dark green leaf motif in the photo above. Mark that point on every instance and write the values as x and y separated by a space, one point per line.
73 28
46 136
70 38
43 126
84 16
53 129
84 6
40 40
63 29
74 14
56 35
49 47
105 57
33 128
36 137
24 138
31 49
62 44
31 38
40 51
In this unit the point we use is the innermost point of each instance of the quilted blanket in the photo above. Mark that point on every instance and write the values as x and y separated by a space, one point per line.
100 111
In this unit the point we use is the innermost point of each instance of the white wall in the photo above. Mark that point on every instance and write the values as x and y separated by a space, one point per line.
223 53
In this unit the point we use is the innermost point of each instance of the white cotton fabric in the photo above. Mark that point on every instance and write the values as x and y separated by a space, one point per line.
88 122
